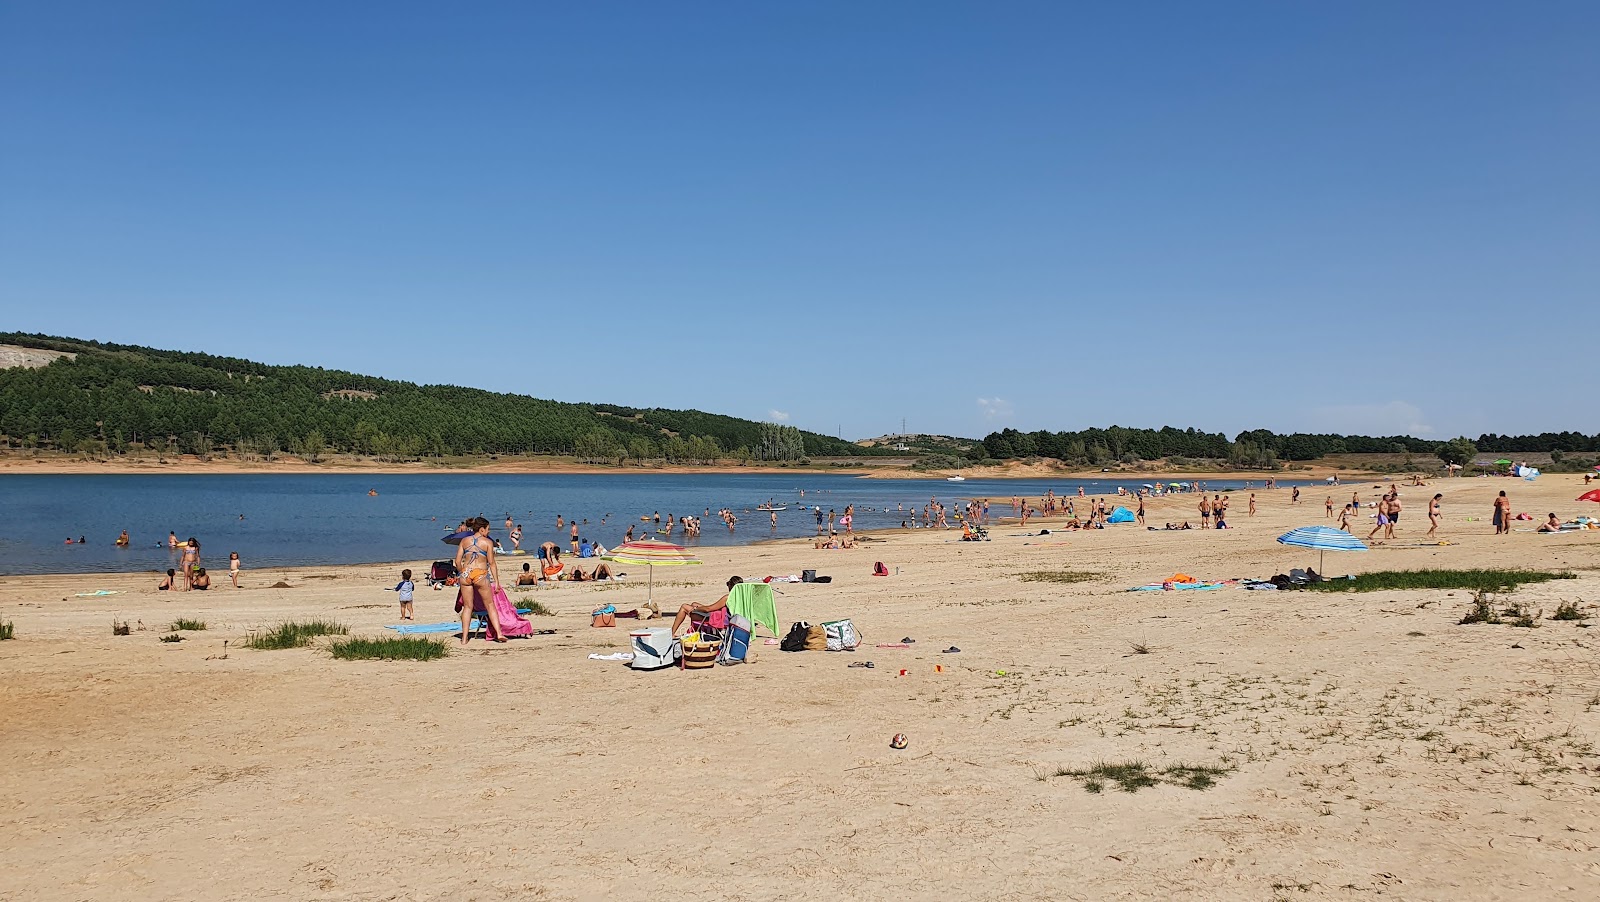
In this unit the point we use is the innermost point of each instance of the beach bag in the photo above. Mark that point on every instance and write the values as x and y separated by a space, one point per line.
817 638
795 640
699 652
841 635
606 616
808 576
653 649
879 569
736 643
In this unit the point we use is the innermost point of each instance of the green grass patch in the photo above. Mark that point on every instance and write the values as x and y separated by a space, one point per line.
1058 576
294 634
535 606
184 623
389 648
1132 776
172 637
1480 580
8 630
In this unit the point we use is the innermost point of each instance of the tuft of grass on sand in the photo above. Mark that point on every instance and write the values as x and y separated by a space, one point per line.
1567 610
171 637
120 627
536 607
1482 609
389 648
184 623
1058 576
294 634
8 630
1132 776
1492 580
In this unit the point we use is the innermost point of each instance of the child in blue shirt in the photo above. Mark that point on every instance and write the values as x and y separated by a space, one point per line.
405 588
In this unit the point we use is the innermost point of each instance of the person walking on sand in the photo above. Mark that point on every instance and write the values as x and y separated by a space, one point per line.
1394 513
1139 514
480 573
1434 514
1252 504
1383 517
1502 515
1344 518
1329 506
1294 498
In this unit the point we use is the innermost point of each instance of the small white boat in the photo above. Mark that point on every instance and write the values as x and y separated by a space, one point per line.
955 479
782 507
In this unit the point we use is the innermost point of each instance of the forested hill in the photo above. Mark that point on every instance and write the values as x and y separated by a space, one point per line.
103 397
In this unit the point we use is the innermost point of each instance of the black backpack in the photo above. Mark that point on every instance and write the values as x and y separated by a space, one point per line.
796 640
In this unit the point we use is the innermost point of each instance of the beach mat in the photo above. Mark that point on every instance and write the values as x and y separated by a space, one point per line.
448 626
1157 587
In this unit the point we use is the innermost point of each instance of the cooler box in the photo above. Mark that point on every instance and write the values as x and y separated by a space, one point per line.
653 649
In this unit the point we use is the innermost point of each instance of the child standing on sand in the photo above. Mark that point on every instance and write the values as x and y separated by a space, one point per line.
406 587
233 567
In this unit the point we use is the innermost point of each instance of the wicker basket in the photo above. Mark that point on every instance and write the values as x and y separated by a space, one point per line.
701 654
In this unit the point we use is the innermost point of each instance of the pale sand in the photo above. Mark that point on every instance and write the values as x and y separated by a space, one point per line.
1449 765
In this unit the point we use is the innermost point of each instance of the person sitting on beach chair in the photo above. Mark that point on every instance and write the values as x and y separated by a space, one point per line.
713 615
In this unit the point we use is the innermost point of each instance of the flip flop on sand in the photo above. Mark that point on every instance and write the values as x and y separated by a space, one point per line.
908 640
950 651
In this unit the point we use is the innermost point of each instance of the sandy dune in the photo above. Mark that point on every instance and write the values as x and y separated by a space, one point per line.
1368 745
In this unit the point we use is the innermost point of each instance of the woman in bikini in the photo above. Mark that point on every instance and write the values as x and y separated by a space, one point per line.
480 573
190 562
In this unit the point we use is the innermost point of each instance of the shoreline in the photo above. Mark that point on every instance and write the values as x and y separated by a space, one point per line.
1017 471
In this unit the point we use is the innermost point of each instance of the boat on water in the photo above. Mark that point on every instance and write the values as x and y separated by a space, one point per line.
781 507
955 479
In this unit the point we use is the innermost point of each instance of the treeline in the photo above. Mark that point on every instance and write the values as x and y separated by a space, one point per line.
1253 448
114 398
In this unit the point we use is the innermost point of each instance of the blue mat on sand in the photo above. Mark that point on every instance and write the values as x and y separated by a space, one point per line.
1158 587
449 626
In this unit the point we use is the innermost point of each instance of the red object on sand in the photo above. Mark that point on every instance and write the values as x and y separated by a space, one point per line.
1593 495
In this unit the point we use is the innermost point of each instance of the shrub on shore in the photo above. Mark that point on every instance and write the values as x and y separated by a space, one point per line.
7 630
184 623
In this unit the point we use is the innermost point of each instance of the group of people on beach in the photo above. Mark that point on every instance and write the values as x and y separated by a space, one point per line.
189 574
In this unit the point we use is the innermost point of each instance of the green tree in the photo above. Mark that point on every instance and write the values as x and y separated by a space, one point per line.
1459 451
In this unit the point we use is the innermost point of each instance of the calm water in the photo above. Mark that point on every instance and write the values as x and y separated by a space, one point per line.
330 519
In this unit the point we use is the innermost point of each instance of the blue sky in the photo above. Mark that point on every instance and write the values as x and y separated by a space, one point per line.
1351 217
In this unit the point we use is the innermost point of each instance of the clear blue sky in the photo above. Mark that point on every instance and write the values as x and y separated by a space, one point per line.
1362 217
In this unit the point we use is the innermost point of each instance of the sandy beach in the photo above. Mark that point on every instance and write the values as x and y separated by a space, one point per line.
1364 745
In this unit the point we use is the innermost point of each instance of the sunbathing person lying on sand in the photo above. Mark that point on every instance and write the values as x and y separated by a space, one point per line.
1551 525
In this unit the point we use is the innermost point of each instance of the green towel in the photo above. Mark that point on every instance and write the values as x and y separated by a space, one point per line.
754 602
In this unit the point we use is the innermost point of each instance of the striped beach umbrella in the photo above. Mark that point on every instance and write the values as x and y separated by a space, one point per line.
652 555
1323 539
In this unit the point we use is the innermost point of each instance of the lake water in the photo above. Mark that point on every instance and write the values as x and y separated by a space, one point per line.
330 519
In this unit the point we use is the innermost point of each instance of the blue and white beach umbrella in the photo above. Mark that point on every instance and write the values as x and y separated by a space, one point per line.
1323 539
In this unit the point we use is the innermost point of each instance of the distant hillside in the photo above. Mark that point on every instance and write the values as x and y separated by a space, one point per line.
75 395
917 442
